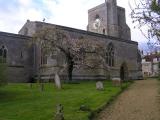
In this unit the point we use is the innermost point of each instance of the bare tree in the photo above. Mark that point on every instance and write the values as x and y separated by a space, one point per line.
147 13
74 49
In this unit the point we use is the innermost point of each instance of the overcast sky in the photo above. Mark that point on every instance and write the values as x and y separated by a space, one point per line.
71 13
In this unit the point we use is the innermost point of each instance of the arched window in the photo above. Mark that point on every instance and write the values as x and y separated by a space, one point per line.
3 54
43 58
110 55
97 16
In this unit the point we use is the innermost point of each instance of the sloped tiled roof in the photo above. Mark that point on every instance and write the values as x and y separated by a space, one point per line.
151 57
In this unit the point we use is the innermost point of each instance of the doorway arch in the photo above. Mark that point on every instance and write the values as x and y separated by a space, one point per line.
124 72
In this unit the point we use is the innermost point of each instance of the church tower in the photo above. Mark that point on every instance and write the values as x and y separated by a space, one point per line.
108 19
112 17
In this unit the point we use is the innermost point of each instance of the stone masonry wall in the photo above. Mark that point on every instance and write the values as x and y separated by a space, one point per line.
125 52
19 56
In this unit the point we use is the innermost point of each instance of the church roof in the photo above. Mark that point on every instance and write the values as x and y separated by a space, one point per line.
88 32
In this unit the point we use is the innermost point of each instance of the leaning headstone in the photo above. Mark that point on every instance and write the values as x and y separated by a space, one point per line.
57 81
59 113
116 81
99 85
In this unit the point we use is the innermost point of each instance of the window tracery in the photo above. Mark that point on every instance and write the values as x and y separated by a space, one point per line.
3 54
110 55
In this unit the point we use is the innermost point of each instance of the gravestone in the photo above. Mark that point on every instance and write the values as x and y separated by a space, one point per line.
84 108
57 81
59 113
116 81
99 85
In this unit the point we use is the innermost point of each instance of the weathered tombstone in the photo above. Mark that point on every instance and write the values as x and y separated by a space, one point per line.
116 81
59 113
84 108
57 81
99 85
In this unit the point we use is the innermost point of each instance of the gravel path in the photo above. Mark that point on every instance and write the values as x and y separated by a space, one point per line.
140 102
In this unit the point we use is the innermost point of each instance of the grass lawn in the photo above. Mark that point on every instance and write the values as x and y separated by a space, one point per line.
20 102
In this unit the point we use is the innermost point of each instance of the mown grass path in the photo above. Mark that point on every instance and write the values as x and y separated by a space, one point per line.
140 102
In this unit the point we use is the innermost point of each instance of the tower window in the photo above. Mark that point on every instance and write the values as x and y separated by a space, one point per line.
97 22
97 16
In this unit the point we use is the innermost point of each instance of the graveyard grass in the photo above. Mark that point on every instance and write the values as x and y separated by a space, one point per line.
20 102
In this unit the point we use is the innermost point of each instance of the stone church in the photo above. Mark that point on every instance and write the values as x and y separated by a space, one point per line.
106 22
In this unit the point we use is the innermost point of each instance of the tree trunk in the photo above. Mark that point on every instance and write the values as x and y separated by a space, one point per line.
70 69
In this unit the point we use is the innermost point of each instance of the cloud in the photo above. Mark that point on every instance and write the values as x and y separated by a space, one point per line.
71 13
13 14
25 2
